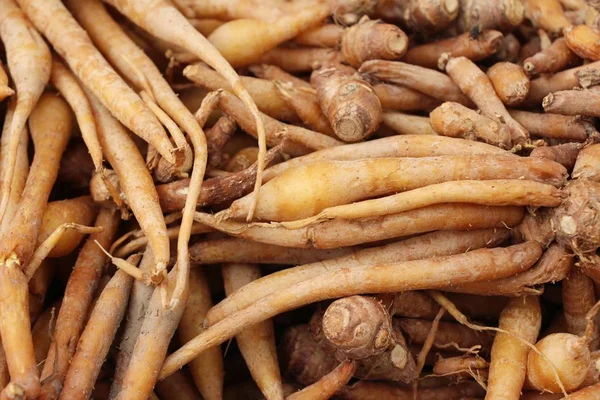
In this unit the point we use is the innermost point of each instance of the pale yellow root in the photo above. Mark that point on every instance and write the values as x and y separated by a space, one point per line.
15 327
73 44
207 369
79 210
29 62
407 124
244 41
151 346
460 317
433 244
138 303
5 90
327 386
521 317
263 91
79 292
478 86
130 60
206 26
305 191
394 146
379 278
302 140
50 123
187 219
588 393
128 267
135 181
266 10
68 86
98 335
501 192
47 245
429 341
547 15
164 21
183 164
257 342
21 168
342 233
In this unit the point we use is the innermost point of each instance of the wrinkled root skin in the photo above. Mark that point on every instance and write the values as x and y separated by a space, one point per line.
577 220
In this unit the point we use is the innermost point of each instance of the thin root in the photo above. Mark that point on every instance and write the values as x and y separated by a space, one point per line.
128 267
168 122
199 145
461 318
114 194
46 247
429 340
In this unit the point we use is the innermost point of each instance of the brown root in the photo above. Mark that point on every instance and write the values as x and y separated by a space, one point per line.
577 219
359 326
349 103
373 40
